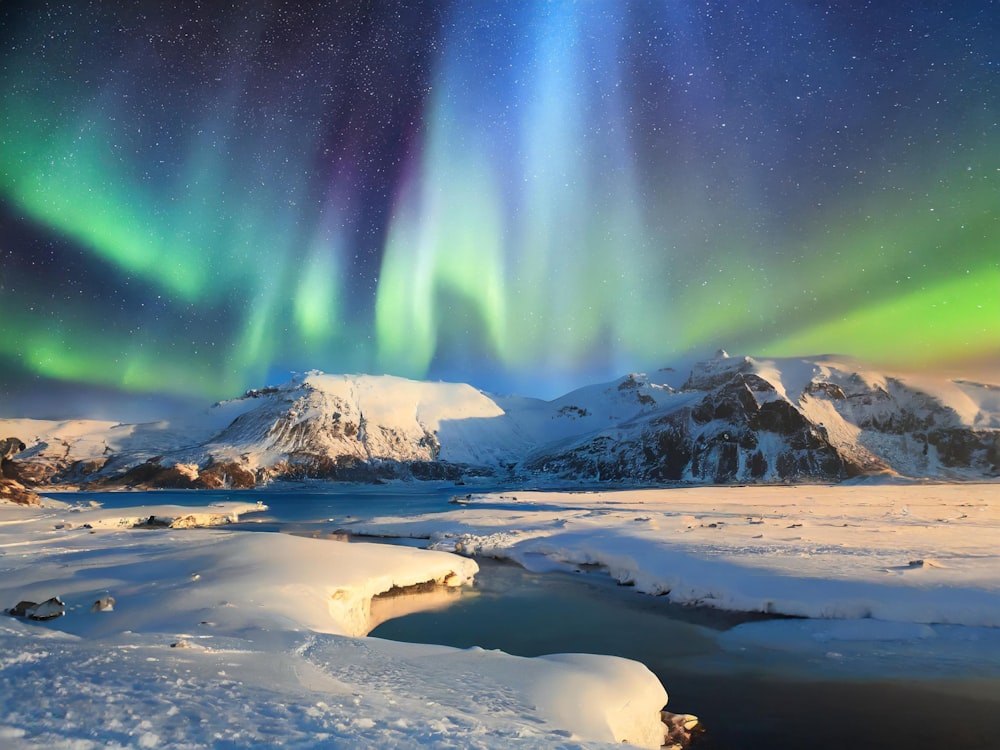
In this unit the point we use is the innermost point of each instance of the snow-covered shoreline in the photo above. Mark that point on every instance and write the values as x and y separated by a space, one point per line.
242 638
922 553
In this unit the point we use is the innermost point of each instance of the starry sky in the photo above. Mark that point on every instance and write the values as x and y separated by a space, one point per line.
201 197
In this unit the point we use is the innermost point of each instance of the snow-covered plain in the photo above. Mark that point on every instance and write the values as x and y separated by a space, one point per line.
218 637
870 563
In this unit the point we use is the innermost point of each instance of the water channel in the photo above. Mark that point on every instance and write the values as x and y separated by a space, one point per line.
744 699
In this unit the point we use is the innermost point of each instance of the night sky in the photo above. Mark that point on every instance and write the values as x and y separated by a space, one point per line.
200 197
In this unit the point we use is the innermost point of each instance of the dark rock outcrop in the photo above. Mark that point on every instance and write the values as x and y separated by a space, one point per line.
740 431
13 491
10 447
50 609
12 482
227 475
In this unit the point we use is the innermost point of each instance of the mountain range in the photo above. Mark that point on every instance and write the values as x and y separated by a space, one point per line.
728 420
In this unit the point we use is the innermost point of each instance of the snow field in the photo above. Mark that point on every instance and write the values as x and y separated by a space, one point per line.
238 639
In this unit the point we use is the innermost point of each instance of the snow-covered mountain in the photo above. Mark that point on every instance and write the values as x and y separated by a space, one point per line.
731 420
748 420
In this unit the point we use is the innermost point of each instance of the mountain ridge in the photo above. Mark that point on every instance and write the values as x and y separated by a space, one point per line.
732 420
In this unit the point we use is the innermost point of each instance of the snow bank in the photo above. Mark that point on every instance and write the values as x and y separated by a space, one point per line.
615 714
228 579
169 516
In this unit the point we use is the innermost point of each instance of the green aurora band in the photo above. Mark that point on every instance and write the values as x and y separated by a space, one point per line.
564 204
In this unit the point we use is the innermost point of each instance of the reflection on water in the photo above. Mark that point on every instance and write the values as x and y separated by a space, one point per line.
402 602
529 614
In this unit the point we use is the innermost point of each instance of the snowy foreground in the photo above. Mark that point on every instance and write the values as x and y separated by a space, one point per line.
220 637
183 638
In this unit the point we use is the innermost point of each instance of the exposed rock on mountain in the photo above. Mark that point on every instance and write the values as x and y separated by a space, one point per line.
739 430
338 428
732 420
793 420
13 491
9 447
11 487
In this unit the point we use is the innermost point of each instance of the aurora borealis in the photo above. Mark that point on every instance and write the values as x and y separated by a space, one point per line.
199 197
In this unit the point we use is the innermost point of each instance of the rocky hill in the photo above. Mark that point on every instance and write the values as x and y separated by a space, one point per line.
729 420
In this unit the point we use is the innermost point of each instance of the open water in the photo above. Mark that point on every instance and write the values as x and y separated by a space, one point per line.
745 700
